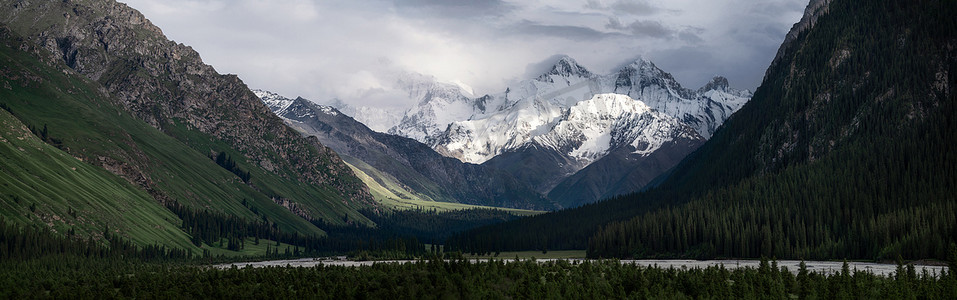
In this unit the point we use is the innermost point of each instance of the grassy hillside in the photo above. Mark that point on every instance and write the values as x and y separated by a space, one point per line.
167 86
88 126
76 119
383 187
44 186
92 128
392 195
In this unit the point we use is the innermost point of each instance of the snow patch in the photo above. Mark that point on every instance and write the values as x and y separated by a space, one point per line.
276 103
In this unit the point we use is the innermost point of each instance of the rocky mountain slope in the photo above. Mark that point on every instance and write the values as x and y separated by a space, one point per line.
588 132
415 165
167 85
70 172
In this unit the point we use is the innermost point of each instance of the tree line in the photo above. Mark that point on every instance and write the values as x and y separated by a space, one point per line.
32 242
42 133
69 277
226 162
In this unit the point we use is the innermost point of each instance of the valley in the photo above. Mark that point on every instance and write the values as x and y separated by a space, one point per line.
415 160
546 132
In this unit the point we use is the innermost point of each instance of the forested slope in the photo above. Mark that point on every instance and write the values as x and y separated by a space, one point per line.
846 150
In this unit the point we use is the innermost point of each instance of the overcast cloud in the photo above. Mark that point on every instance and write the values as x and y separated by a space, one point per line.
324 49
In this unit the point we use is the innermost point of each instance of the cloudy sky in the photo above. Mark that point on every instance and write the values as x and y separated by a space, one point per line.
320 49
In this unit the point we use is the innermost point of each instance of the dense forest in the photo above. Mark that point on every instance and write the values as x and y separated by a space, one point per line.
35 263
400 234
18 243
72 277
434 227
846 150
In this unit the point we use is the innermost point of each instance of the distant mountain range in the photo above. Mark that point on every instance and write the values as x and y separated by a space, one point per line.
635 123
418 169
113 135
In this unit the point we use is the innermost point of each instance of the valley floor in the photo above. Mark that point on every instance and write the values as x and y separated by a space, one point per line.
820 267
63 276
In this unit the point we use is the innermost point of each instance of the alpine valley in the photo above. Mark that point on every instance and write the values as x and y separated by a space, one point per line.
131 168
411 170
573 136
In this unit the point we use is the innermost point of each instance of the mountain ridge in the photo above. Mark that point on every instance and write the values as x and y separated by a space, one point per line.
527 133
166 85
535 106
526 130
92 178
419 168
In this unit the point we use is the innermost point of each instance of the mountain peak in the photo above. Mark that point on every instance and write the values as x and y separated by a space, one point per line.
566 67
641 60
718 83
300 99
274 101
642 65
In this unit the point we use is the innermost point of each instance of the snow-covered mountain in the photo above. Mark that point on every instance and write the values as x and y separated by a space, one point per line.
704 109
414 168
439 104
584 131
494 124
512 119
545 129
376 118
276 103
607 121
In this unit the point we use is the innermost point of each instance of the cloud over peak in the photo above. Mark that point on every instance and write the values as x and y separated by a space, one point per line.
337 49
